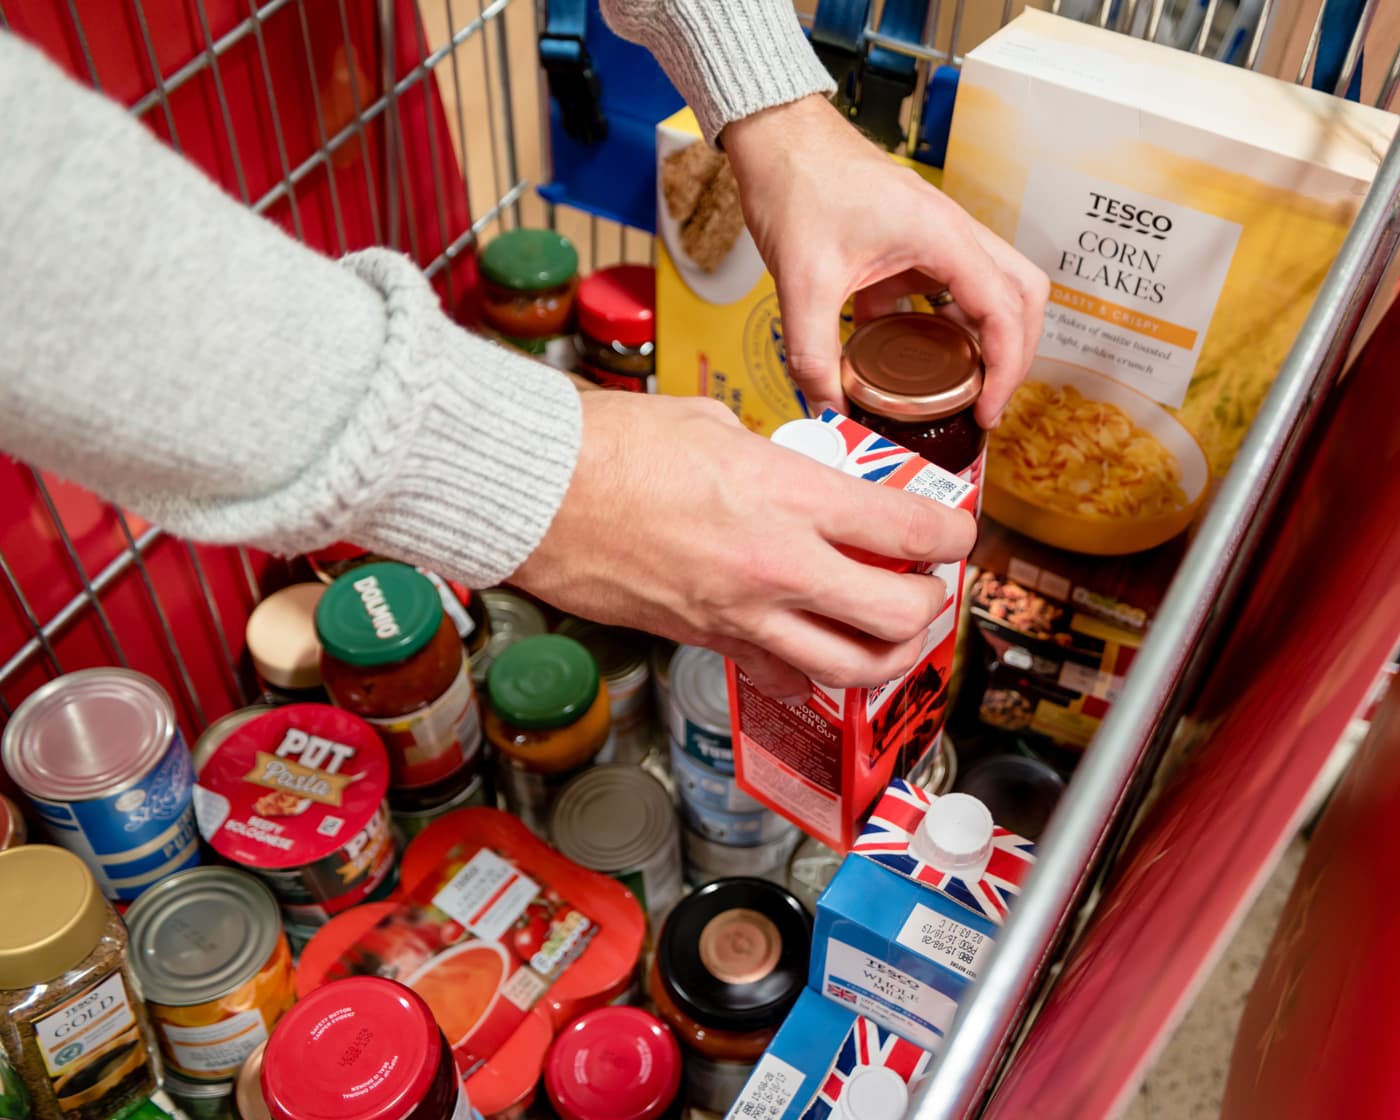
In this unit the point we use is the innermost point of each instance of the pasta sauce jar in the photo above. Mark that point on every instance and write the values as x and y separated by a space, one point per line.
364 1048
617 327
731 962
529 279
615 1063
393 658
914 379
549 717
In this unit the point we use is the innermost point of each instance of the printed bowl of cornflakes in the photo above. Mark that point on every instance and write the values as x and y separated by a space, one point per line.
1084 463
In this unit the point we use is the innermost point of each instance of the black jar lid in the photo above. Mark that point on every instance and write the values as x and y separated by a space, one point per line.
734 954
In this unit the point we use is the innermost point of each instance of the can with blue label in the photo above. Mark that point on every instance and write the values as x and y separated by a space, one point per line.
707 788
698 708
100 756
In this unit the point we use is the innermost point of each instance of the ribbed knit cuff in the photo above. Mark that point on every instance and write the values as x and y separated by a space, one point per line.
469 446
729 59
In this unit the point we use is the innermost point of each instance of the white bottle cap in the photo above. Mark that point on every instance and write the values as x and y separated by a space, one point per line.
813 439
955 834
874 1093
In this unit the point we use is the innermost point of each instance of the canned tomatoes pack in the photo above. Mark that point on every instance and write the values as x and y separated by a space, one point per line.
296 796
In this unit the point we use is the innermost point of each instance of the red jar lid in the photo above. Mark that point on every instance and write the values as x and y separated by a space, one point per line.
616 1063
365 1048
618 304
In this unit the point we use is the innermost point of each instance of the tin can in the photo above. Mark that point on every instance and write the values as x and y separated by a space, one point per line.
662 651
735 830
208 948
940 770
364 1048
622 657
512 618
100 755
698 712
705 787
214 735
810 870
706 861
13 831
410 821
296 796
201 1100
618 820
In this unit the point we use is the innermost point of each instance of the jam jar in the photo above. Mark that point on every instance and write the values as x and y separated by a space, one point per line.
281 640
730 963
529 280
914 379
617 327
392 656
548 717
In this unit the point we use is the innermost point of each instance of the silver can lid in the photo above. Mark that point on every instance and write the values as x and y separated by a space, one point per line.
88 734
699 690
200 934
622 655
213 736
512 618
612 818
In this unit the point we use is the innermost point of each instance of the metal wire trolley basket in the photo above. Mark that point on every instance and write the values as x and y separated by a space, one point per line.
423 125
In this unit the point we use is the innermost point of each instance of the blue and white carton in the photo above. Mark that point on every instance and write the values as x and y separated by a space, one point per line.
896 951
828 1063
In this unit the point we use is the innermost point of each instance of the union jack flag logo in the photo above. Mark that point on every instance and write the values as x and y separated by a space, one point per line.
868 456
886 836
866 1044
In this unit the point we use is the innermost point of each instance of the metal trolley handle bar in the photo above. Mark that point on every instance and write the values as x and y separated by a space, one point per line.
1170 656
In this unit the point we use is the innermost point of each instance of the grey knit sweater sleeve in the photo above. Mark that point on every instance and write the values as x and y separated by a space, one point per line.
729 58
168 349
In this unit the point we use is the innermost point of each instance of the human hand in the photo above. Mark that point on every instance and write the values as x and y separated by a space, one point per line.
833 216
681 522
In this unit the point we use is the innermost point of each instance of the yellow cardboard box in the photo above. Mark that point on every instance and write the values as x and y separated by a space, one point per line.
718 332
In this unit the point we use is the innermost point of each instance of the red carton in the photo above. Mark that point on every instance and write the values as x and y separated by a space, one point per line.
824 764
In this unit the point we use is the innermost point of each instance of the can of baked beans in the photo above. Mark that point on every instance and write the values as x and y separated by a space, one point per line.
619 820
296 796
208 949
99 754
363 1048
698 713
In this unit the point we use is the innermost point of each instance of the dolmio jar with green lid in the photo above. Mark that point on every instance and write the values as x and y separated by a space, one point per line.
71 1019
548 718
392 656
530 279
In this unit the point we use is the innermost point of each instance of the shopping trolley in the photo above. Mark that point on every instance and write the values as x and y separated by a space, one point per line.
423 126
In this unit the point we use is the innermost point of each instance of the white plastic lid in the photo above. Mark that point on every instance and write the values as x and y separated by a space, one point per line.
813 439
955 834
874 1093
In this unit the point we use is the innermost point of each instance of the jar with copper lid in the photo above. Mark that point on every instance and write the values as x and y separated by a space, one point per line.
13 832
731 962
392 657
915 379
71 1017
281 637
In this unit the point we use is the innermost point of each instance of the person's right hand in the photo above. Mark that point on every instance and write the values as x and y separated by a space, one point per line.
681 522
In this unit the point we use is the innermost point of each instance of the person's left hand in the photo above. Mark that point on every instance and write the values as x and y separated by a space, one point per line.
833 216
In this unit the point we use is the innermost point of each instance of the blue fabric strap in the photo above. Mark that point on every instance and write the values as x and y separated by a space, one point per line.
573 82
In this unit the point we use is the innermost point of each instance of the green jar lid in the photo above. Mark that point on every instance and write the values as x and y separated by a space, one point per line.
528 260
544 681
378 614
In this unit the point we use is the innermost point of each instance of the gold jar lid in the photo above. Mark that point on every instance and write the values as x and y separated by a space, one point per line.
54 914
12 830
912 367
282 638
